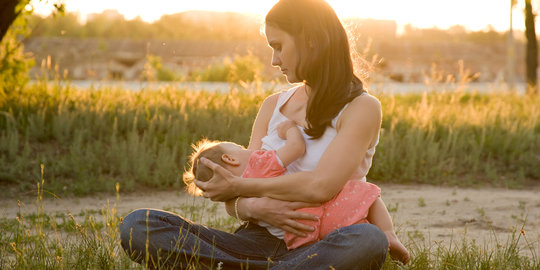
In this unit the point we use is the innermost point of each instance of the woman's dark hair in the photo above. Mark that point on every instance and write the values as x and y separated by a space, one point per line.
324 58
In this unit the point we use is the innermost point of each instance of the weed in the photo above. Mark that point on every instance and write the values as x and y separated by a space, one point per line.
394 208
421 202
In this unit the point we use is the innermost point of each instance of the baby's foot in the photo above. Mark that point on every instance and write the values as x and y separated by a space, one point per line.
397 250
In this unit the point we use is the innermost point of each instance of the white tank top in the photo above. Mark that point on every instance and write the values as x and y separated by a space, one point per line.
314 148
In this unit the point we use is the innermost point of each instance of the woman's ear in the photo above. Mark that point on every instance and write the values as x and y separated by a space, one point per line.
230 160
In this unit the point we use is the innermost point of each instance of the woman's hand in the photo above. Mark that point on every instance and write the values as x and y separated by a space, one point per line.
281 214
221 187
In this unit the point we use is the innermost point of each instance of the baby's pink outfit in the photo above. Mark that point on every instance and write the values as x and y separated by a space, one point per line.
350 206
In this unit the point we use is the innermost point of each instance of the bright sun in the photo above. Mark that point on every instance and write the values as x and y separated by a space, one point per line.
421 13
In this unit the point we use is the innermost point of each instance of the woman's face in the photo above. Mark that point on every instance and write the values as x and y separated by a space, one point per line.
284 52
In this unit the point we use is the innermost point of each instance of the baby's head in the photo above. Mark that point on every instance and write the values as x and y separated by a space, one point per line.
228 155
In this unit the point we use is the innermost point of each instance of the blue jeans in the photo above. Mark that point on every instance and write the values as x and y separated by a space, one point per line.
163 239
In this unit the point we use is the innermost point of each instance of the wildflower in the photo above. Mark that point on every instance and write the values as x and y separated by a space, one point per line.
12 244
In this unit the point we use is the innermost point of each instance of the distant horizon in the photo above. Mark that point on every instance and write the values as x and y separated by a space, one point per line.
475 15
399 30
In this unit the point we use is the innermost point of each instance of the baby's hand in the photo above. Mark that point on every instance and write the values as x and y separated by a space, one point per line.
284 126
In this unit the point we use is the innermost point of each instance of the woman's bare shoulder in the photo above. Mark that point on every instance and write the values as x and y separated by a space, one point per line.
269 103
366 100
272 99
365 104
364 108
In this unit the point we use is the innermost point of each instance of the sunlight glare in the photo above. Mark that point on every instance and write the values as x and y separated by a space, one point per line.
474 15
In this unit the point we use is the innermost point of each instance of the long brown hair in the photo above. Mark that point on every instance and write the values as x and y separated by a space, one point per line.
324 58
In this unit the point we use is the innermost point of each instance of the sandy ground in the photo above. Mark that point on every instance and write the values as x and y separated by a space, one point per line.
430 214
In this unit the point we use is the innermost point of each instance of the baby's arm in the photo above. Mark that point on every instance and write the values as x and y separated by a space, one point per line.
295 145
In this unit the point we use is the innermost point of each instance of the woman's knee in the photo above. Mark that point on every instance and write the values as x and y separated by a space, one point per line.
367 233
364 243
133 227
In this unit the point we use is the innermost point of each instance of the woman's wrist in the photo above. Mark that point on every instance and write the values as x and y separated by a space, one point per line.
236 186
236 215
245 205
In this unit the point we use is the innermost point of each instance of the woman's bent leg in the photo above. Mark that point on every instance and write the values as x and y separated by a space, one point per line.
159 238
359 246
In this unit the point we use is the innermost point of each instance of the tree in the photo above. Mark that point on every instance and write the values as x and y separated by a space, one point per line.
9 11
532 49
511 51
14 64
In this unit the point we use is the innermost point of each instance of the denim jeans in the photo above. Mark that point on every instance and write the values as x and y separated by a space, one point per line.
162 239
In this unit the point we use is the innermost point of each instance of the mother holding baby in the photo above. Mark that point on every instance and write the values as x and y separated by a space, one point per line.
340 124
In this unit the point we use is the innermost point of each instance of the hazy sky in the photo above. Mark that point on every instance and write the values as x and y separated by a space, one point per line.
473 14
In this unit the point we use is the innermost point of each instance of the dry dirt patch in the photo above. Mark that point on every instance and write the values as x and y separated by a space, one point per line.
420 213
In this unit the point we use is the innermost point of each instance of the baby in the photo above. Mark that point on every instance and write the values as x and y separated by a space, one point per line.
357 202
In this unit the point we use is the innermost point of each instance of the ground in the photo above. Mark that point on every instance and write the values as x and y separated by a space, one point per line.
434 215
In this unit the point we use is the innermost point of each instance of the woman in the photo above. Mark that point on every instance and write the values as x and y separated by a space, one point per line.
341 123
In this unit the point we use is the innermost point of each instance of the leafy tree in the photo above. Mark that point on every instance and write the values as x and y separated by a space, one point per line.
9 10
14 64
532 48
52 26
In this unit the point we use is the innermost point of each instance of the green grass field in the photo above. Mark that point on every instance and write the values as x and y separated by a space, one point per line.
90 140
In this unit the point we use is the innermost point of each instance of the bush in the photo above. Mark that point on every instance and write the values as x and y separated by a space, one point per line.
14 64
156 70
246 68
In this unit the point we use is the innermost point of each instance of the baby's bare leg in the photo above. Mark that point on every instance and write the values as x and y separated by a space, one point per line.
379 216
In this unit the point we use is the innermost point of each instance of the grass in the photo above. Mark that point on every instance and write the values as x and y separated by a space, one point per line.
91 139
459 138
90 240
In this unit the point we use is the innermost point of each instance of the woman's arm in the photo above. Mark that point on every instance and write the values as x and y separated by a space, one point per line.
258 131
280 214
260 126
357 130
277 213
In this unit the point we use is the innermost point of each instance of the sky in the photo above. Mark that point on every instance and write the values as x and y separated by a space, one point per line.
475 15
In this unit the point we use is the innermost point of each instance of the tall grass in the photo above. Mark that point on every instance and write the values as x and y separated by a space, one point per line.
459 138
91 139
